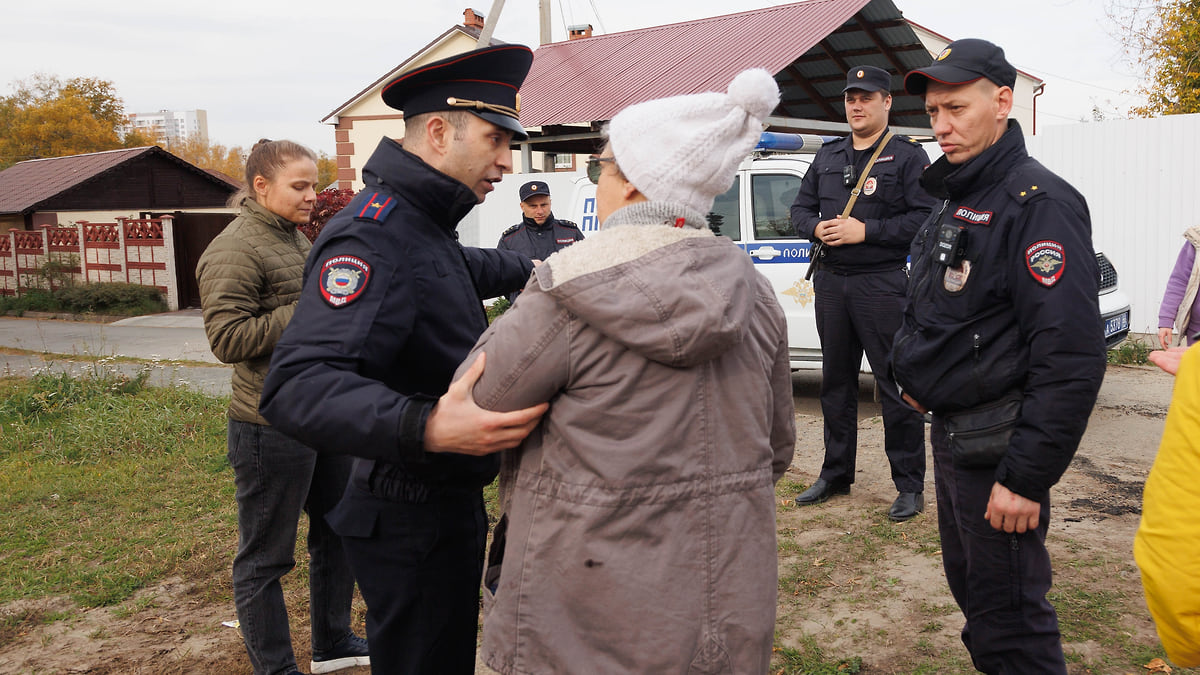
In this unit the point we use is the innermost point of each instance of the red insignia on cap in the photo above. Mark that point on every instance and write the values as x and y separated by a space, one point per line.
1046 261
343 279
942 56
860 74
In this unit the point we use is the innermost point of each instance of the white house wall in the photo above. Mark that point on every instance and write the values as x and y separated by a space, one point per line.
1140 180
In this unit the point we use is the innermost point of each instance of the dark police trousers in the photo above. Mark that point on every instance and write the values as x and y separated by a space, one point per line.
419 562
857 313
998 579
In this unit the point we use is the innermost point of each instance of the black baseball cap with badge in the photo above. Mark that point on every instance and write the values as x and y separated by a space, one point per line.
483 82
534 188
963 61
868 78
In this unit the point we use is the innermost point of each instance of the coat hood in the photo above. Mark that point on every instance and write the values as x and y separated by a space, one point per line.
677 296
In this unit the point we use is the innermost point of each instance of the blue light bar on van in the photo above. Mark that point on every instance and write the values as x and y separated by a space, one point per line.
780 142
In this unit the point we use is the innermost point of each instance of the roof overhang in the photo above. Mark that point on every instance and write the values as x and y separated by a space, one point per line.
577 85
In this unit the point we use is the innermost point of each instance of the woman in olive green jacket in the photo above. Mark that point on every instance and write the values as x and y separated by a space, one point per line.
250 279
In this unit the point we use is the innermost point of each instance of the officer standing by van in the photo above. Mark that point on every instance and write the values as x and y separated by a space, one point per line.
539 233
391 305
1002 340
860 204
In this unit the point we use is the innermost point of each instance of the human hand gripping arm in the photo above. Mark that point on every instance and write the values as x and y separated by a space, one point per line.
457 424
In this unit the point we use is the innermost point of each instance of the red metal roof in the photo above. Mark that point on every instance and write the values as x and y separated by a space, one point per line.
25 185
594 78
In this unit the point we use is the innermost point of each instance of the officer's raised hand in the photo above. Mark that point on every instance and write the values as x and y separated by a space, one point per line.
841 231
456 424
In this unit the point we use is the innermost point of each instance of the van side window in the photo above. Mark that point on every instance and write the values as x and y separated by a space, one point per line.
725 219
771 200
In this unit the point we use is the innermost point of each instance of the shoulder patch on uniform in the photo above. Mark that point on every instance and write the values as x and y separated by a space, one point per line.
343 279
376 208
1029 180
567 223
1046 261
912 140
511 230
1023 192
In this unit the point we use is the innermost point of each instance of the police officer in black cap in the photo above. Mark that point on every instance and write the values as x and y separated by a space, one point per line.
860 281
539 233
391 305
1002 340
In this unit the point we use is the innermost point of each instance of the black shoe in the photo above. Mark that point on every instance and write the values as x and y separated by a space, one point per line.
907 506
821 491
350 651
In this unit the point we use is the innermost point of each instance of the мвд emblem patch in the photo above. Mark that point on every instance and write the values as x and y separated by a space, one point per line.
343 279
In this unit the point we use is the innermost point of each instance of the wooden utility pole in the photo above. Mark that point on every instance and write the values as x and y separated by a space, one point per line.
544 22
489 24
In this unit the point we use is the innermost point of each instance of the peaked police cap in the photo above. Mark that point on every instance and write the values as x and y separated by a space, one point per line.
964 61
482 81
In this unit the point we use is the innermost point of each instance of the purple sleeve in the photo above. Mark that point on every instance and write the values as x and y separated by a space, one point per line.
1176 286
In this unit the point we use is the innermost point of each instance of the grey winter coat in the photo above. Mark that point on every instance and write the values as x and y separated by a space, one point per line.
641 512
250 278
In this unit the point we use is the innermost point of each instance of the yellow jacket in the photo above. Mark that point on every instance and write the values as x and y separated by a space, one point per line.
1167 545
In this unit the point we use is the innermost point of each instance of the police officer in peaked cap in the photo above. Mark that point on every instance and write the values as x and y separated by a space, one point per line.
391 305
539 233
860 277
1002 342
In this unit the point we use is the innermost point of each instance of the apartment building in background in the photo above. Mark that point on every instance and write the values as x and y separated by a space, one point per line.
168 126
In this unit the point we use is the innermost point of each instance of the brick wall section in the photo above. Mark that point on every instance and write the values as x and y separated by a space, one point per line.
150 255
8 267
102 252
136 251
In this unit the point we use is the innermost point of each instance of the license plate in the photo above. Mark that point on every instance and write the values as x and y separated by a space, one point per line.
1116 324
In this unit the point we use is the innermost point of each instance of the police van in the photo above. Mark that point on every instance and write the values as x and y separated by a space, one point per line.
756 214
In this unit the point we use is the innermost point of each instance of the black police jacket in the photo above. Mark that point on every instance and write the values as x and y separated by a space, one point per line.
892 204
390 307
1020 314
537 242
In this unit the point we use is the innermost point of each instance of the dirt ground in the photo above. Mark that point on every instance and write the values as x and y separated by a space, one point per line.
853 583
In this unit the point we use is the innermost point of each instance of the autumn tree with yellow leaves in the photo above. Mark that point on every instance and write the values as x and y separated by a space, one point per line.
1162 38
49 117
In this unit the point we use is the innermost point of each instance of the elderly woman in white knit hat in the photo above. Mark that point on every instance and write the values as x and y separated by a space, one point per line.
640 514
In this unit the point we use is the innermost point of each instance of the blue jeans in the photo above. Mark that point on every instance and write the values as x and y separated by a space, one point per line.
278 477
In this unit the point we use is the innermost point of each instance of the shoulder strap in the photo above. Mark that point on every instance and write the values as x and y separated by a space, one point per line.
863 178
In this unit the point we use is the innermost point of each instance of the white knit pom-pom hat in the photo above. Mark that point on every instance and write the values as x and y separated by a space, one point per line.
686 149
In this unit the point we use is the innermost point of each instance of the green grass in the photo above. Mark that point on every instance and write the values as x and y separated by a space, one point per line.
810 659
1130 352
107 485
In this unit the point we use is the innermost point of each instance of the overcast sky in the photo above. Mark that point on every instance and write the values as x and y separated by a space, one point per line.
273 68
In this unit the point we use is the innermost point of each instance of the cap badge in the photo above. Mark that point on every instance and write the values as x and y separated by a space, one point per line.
860 74
533 188
945 53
